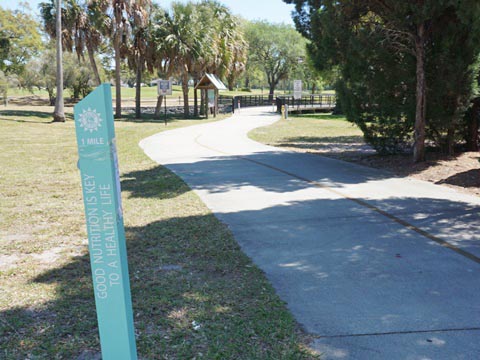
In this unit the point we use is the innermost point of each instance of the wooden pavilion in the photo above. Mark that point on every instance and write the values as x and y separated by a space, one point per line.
211 83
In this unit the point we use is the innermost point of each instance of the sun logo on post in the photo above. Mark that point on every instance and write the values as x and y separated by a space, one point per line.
90 120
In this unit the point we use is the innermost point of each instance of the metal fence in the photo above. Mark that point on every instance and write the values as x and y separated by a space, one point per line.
307 102
317 101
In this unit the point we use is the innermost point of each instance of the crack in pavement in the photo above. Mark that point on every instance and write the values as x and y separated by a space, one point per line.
396 333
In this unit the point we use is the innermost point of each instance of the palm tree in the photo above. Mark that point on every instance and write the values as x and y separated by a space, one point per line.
178 44
193 39
184 44
52 15
237 59
139 22
58 113
79 29
86 33
208 34
112 18
232 52
160 56
224 52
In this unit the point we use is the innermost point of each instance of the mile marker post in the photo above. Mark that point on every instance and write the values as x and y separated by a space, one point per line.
98 166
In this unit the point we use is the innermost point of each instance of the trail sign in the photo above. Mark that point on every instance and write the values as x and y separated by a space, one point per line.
164 87
297 89
98 166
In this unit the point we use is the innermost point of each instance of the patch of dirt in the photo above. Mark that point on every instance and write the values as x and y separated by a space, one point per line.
48 256
44 259
35 100
8 262
28 100
461 172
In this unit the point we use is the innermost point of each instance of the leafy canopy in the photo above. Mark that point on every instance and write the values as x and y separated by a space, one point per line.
20 40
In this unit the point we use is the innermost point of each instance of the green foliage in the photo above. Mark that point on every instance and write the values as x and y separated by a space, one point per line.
376 90
42 73
275 49
373 45
194 38
78 76
82 30
20 40
312 78
7 81
452 67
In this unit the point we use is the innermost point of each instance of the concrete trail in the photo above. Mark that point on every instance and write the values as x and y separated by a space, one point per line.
373 266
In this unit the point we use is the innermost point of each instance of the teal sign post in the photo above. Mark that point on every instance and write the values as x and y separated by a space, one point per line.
106 234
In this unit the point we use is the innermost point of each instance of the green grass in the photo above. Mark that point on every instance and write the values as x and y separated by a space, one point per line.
148 93
184 264
329 135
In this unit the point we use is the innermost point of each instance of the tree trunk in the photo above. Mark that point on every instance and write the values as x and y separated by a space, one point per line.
231 82
202 102
186 108
58 113
118 81
452 126
206 109
421 95
138 88
473 124
76 91
51 96
195 100
451 140
158 108
271 91
93 64
117 40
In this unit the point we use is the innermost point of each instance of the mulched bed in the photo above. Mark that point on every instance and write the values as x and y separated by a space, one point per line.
461 172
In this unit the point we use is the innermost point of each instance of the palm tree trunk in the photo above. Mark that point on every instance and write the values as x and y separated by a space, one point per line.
186 108
93 64
117 39
58 113
231 82
158 108
195 99
118 83
138 87
420 112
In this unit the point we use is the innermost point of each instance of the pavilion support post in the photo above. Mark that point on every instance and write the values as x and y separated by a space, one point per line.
215 112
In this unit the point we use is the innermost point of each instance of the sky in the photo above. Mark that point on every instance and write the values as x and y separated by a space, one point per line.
275 11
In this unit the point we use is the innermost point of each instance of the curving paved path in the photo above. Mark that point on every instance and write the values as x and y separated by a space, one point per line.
373 266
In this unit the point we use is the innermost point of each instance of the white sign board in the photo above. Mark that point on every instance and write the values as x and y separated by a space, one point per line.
164 87
211 98
297 89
